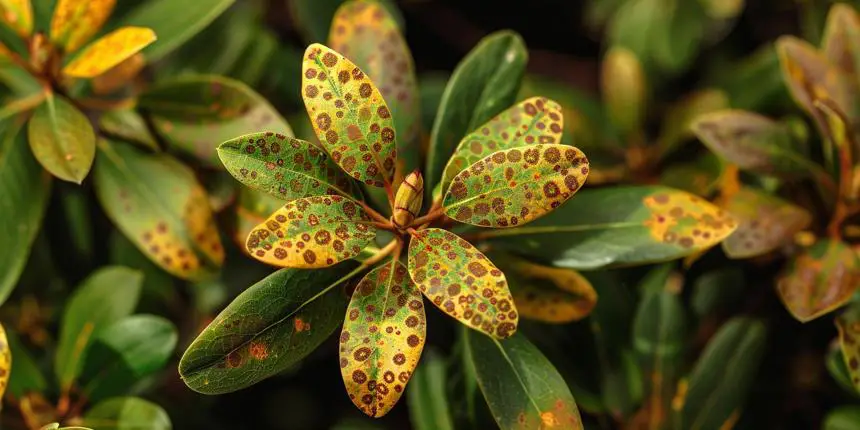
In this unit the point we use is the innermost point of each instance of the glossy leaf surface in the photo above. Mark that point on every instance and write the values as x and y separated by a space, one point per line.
516 186
127 413
62 139
765 222
76 21
268 328
819 280
110 50
462 282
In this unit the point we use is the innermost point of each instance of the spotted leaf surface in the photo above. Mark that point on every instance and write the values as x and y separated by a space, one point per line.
516 186
109 51
548 294
462 282
382 338
18 15
6 360
157 203
765 222
283 167
848 324
819 280
312 232
522 387
252 209
366 33
349 116
76 21
534 120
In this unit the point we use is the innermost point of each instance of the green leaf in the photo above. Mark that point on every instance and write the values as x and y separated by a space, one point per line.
717 291
173 22
284 167
195 113
842 418
516 186
62 139
819 280
156 282
462 282
128 125
534 120
312 232
428 400
835 363
484 84
126 352
27 377
382 338
349 116
765 222
25 189
722 377
619 226
127 413
624 88
268 328
106 296
158 204
521 386
848 323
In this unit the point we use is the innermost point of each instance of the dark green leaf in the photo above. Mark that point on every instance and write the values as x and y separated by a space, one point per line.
27 377
428 401
128 125
62 139
838 370
127 413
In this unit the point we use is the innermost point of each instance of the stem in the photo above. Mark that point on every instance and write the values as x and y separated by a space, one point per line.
376 216
427 219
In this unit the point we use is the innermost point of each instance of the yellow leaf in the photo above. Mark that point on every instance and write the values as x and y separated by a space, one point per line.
76 21
18 15
5 362
109 51
549 294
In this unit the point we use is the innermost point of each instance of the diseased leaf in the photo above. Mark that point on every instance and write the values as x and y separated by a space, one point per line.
268 328
76 21
429 408
619 226
840 41
284 167
196 113
349 116
534 120
312 232
367 34
112 49
127 413
119 76
382 338
548 294
484 84
128 125
106 296
516 186
62 139
462 282
158 204
765 222
819 280
848 324
6 361
522 388
18 15
252 209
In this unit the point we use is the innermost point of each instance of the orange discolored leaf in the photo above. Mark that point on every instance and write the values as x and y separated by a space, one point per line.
109 51
765 222
462 282
686 220
848 324
312 232
349 116
819 280
76 21
516 186
18 15
549 294
382 338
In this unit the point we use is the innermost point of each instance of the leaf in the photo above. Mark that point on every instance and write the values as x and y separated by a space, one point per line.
484 83
848 324
548 294
284 167
195 113
835 364
109 51
534 120
268 328
765 222
819 280
677 122
842 418
158 204
700 176
723 376
462 282
717 291
126 352
127 413
312 232
6 361
429 408
839 43
313 18
75 22
18 15
349 116
119 76
25 188
619 226
252 209
367 34
382 338
62 139
174 22
106 296
521 386
624 88
128 125
516 186
27 377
